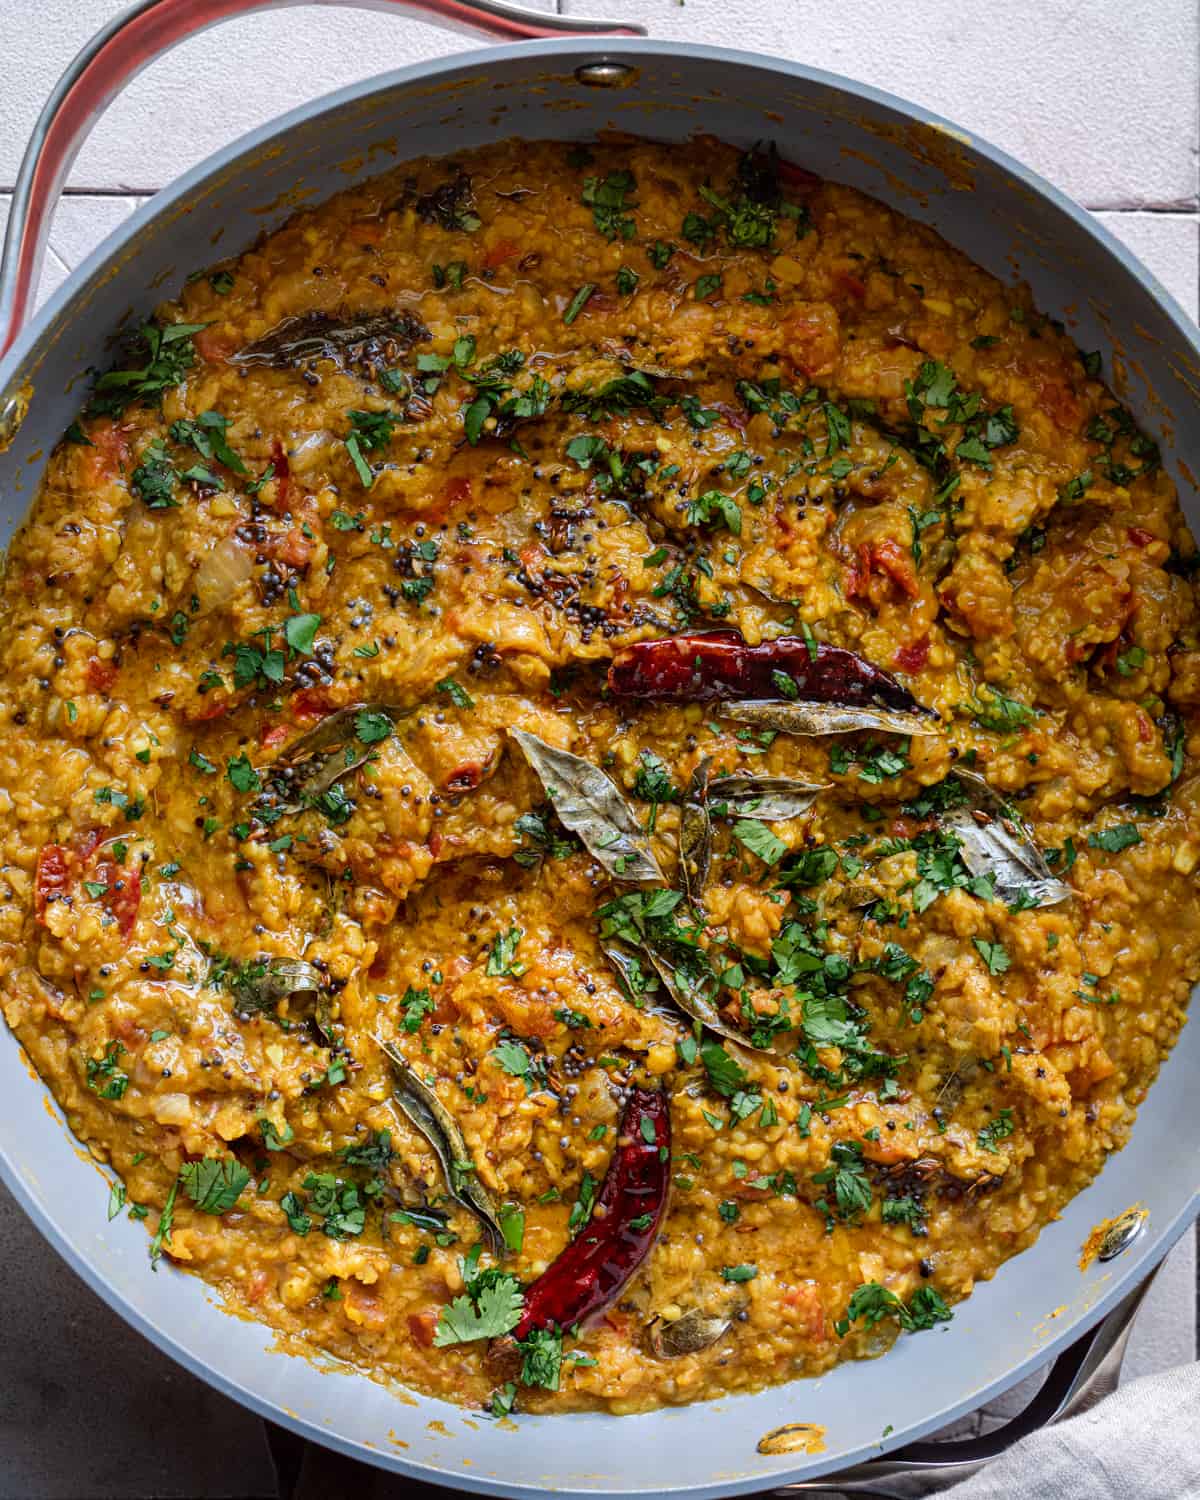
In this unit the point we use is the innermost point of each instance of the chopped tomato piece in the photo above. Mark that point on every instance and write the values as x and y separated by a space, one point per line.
454 494
123 892
100 675
271 735
501 251
85 843
847 281
1058 401
109 453
295 549
445 1012
50 878
912 658
312 703
422 1325
258 1286
466 778
1140 537
214 348
366 231
886 556
58 869
213 708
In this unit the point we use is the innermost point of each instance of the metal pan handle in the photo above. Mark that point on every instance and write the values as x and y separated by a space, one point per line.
138 36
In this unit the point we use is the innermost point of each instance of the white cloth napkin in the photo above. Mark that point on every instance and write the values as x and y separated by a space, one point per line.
1141 1443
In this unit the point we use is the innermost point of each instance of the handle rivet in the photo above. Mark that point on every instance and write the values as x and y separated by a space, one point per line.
605 75
1121 1233
13 409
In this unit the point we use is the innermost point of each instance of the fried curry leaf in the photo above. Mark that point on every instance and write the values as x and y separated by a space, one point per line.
994 843
666 935
428 1115
313 764
695 834
769 799
825 718
258 985
366 341
591 805
688 1334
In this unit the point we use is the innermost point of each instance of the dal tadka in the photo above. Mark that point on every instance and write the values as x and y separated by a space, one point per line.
598 774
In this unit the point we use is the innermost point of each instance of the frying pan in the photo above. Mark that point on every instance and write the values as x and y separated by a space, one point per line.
1040 1306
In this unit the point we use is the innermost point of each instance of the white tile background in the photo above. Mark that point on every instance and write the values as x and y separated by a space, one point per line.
1101 96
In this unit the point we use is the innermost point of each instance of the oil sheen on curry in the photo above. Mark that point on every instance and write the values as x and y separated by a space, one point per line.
599 763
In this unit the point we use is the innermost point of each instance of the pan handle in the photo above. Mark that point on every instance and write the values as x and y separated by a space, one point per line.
1082 1375
141 34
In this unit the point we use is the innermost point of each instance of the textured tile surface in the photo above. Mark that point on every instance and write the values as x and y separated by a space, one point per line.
208 91
1101 96
1098 95
1167 244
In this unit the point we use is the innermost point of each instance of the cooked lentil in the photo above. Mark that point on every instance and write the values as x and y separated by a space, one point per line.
842 429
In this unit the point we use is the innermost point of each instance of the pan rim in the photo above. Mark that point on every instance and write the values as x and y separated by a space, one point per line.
25 354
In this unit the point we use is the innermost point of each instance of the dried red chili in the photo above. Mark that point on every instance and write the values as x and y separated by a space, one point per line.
629 1209
720 665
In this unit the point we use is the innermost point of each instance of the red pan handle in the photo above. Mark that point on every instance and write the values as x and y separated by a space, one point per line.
138 36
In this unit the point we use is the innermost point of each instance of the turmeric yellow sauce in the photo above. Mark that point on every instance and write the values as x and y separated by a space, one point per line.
433 454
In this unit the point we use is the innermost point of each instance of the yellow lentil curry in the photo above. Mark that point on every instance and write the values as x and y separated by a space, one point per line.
360 991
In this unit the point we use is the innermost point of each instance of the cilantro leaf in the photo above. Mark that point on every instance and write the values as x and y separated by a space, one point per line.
1113 840
995 955
502 955
759 839
242 775
542 1364
495 1310
370 728
300 632
215 1183
996 1130
725 1073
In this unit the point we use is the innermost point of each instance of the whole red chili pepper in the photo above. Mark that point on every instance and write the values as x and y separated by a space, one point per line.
629 1208
720 665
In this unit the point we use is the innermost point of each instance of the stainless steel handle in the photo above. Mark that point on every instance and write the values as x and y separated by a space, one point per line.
1080 1377
146 31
